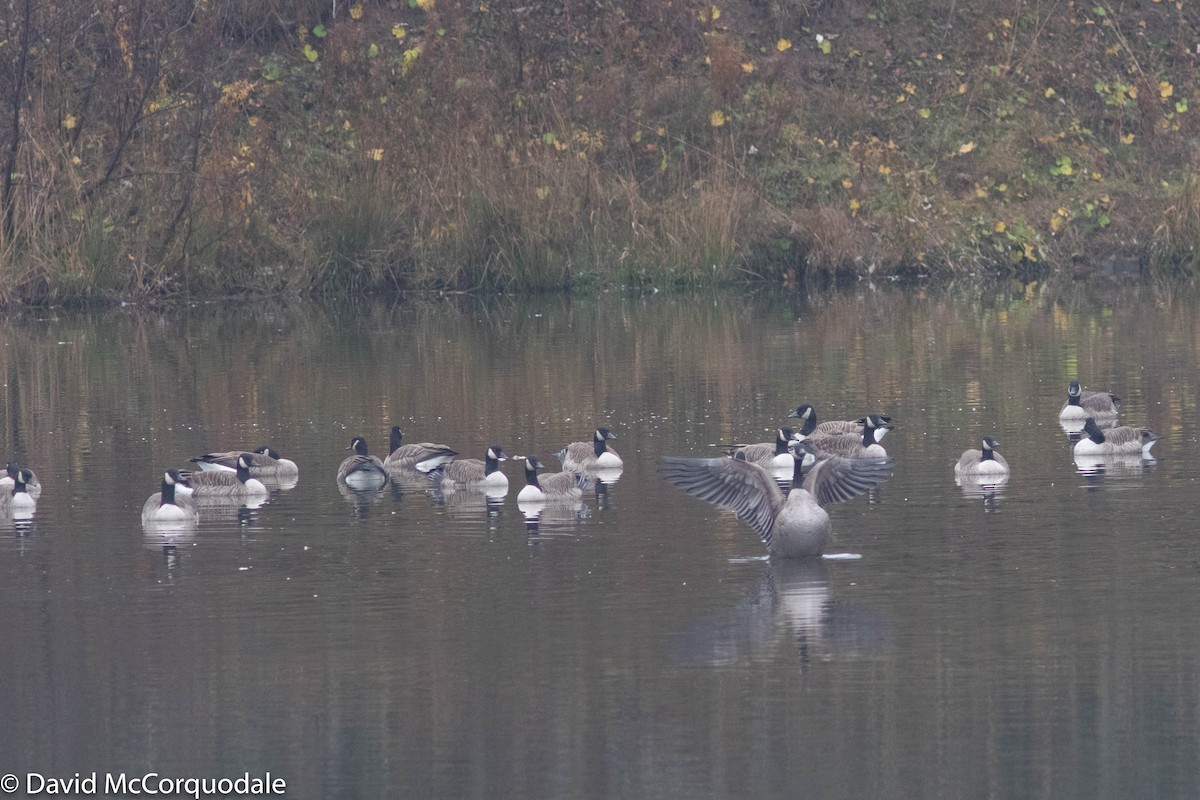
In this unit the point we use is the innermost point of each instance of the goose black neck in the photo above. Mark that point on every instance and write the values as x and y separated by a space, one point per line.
1096 435
1073 399
168 493
781 444
599 446
531 477
798 471
988 455
243 472
397 437
810 424
868 435
490 464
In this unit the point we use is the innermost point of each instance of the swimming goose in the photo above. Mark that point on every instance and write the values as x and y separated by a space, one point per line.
1114 441
32 485
473 473
264 463
421 457
597 455
810 427
362 470
1081 404
567 486
219 483
863 444
169 505
18 499
767 454
795 526
982 462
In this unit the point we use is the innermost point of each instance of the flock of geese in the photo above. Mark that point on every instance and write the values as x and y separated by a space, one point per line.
779 488
238 476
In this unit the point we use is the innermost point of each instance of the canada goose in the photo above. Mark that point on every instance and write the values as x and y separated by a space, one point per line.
169 505
18 499
32 485
795 526
862 444
264 463
597 455
982 462
567 486
1081 404
421 457
362 470
767 454
219 483
1114 441
810 427
472 473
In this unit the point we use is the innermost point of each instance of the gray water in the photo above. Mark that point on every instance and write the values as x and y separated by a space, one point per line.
1034 640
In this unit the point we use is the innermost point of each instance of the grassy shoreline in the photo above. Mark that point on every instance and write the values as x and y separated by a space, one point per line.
168 149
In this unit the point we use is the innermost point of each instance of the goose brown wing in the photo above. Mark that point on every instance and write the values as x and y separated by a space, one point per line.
409 454
1125 434
754 453
834 479
563 482
1102 402
577 453
847 445
834 427
356 463
465 471
743 488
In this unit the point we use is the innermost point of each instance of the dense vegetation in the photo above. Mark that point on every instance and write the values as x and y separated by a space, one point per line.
215 147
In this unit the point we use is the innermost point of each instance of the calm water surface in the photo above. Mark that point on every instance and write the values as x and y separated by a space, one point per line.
1035 640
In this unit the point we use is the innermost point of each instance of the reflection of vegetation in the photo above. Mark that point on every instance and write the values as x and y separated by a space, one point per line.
168 147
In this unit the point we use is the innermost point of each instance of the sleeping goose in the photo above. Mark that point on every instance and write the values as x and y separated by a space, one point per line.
362 470
421 457
767 454
984 462
1081 405
810 427
596 455
1114 441
566 486
219 483
264 463
32 485
168 505
792 526
471 473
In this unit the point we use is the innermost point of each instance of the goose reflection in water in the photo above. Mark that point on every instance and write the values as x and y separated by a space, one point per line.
1126 467
791 608
1073 428
471 501
361 500
553 516
988 488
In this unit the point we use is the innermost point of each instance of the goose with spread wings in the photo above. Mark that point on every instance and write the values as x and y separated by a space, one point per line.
795 525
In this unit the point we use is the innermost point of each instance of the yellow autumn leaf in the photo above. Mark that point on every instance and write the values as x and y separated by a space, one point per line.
884 169
1127 138
1056 223
783 45
966 148
375 154
1001 227
716 13
901 98
356 11
1050 92
75 159
854 207
542 192
1165 89
910 88
70 122
716 118
847 183
399 32
962 88
747 68
981 191
425 5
